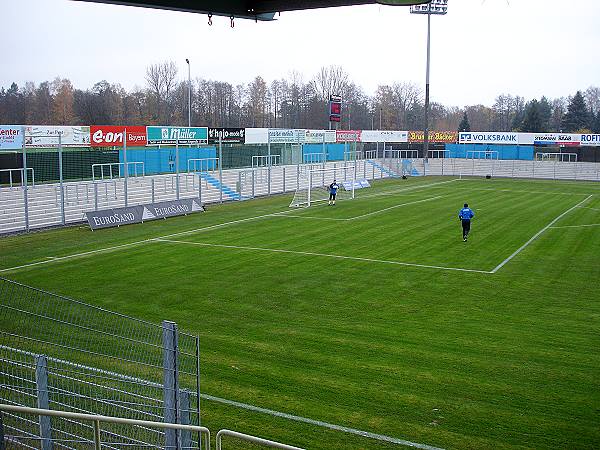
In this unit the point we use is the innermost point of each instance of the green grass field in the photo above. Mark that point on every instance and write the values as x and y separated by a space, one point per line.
372 314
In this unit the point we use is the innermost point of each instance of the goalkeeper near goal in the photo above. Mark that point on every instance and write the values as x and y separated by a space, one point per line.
333 187
465 215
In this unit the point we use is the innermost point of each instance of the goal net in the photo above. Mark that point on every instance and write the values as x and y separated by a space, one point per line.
313 184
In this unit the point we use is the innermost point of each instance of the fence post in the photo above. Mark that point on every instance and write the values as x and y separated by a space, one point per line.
1 433
284 179
60 174
24 184
171 388
184 414
43 402
220 168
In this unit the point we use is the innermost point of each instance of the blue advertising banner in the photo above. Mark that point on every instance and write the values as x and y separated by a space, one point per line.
11 137
172 135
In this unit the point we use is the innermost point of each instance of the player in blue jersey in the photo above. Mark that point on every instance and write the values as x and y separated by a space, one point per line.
333 187
465 215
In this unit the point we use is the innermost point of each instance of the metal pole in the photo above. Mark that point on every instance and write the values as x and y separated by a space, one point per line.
125 163
220 168
426 128
189 94
60 175
198 383
97 441
268 163
24 178
177 164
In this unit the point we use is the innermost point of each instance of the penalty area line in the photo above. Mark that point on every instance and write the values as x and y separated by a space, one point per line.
538 234
577 226
324 255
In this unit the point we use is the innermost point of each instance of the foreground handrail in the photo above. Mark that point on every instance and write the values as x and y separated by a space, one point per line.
97 419
253 439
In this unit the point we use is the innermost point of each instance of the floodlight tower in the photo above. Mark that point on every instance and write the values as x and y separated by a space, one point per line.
437 7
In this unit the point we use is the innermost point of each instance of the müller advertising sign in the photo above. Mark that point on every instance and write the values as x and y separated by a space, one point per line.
181 135
137 214
226 135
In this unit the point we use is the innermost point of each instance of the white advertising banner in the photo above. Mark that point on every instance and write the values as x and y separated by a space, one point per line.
383 136
316 136
47 136
469 137
256 136
283 136
561 139
592 140
11 137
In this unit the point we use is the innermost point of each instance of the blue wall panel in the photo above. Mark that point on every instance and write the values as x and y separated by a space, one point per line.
162 160
504 151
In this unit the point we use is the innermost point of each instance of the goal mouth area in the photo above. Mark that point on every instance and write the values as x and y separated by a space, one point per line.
314 185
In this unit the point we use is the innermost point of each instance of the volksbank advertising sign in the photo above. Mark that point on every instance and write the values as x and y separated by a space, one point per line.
488 138
173 135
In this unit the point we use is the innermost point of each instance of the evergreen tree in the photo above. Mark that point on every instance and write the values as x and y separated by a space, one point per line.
545 110
464 124
595 126
577 116
532 123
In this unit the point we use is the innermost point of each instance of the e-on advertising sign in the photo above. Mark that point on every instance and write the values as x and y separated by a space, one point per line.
173 135
11 138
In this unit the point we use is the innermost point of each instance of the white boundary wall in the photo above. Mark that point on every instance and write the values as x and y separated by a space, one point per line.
44 200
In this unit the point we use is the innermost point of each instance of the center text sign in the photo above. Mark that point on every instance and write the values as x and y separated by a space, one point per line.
173 135
11 137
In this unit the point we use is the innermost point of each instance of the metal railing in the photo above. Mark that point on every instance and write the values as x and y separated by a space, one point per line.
97 420
252 439
22 172
118 165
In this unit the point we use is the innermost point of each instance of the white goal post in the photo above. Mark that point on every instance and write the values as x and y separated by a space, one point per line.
313 185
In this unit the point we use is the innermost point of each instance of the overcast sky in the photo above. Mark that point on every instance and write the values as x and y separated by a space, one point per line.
480 49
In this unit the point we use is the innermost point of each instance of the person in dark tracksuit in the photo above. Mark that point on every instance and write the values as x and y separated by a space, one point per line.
465 215
333 187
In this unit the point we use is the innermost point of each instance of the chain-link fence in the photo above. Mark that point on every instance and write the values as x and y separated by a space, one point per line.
59 353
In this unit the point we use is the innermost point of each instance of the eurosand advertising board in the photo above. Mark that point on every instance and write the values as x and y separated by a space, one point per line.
227 135
11 137
111 136
172 135
116 217
47 136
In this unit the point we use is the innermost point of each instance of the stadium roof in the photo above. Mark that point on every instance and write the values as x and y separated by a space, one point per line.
249 9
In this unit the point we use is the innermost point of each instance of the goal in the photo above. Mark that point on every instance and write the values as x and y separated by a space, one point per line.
313 185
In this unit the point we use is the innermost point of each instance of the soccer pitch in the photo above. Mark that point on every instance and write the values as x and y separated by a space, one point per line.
369 316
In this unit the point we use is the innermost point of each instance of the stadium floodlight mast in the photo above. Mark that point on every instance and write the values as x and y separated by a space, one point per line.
189 94
437 7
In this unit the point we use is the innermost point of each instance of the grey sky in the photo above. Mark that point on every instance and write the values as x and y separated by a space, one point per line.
479 50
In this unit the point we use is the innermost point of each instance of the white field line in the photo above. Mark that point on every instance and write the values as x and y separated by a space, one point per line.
395 206
577 226
379 437
520 249
520 191
131 244
409 188
326 255
357 217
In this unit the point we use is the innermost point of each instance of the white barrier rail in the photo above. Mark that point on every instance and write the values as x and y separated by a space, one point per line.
96 419
252 439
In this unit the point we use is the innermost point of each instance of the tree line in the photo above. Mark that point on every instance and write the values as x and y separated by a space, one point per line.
286 103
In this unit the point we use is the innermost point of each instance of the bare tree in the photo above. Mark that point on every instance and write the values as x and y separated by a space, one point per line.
332 80
161 80
592 98
405 95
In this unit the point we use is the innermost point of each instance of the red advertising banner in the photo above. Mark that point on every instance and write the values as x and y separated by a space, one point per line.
111 136
347 135
446 137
